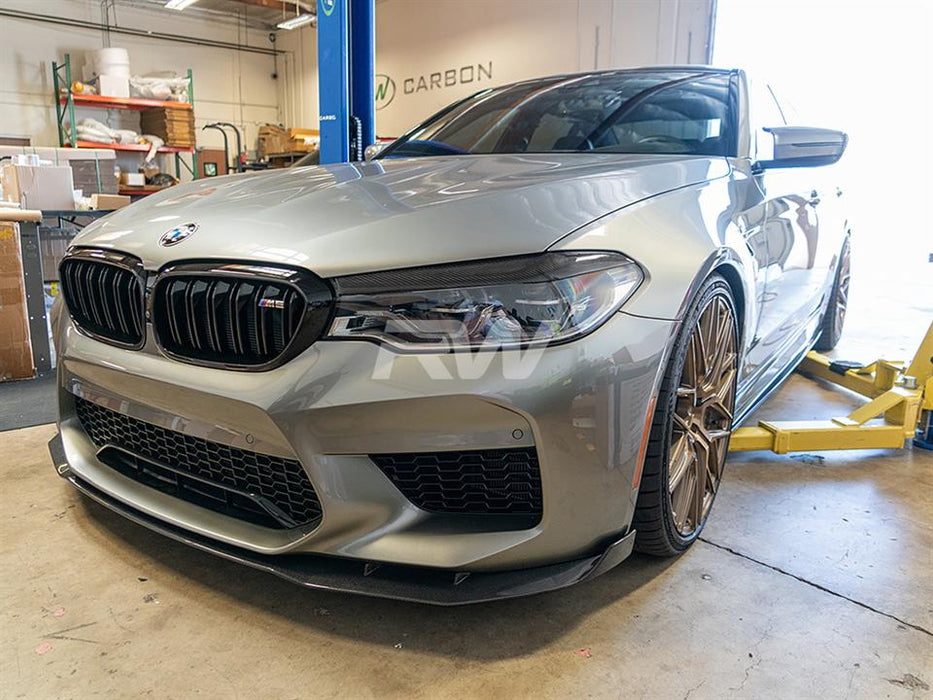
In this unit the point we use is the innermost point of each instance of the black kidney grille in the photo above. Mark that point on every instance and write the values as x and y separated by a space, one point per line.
104 300
262 489
226 320
476 482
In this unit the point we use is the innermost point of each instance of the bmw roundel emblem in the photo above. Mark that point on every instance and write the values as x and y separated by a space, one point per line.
177 234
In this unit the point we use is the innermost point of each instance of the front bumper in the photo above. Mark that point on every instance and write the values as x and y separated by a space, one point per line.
411 583
581 405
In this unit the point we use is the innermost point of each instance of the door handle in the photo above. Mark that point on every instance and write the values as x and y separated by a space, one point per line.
814 198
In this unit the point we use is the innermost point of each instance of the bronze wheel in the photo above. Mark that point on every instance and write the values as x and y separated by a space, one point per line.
835 316
702 417
842 292
689 436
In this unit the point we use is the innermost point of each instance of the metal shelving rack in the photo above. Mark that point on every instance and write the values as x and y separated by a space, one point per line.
66 101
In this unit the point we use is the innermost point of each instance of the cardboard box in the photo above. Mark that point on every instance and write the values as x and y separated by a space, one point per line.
15 346
108 202
53 243
60 156
45 187
174 126
306 140
132 179
94 177
113 86
274 140
92 169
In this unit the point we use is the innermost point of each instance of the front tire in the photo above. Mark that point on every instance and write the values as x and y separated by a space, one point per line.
692 423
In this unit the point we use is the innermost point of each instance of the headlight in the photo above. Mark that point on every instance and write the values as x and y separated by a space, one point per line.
502 303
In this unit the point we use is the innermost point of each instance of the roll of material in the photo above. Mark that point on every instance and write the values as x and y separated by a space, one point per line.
107 61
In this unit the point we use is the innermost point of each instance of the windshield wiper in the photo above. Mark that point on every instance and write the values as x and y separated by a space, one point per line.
630 104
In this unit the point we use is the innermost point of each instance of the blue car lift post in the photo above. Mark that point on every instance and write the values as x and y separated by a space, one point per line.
346 39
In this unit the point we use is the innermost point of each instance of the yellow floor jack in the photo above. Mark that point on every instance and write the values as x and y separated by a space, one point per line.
898 414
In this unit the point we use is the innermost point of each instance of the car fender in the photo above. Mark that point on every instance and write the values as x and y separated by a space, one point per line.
679 239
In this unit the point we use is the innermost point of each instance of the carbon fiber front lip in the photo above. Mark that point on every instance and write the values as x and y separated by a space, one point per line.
410 583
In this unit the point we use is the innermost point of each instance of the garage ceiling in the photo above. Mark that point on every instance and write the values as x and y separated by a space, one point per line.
258 14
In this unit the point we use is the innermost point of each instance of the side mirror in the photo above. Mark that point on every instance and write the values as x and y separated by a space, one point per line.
373 150
804 147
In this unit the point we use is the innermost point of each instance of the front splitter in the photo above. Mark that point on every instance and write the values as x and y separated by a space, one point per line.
399 582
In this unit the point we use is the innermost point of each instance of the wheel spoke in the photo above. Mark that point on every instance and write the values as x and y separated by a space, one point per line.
681 500
699 492
723 347
716 454
721 400
693 364
716 457
681 423
724 362
682 457
703 336
708 344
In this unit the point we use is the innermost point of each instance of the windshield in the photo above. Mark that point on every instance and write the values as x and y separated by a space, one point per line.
623 112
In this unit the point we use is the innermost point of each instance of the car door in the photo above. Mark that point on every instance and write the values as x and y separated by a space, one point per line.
821 217
790 307
747 213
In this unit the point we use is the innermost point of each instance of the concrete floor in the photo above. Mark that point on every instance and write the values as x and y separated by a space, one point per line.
814 579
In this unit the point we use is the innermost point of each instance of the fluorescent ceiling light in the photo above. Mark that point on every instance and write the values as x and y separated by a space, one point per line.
295 22
178 4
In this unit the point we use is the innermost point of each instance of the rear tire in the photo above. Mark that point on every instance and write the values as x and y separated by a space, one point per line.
835 316
689 435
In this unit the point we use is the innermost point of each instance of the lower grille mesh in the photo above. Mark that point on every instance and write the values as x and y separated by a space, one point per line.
471 482
259 488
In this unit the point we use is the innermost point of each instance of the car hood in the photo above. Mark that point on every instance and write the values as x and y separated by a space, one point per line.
349 218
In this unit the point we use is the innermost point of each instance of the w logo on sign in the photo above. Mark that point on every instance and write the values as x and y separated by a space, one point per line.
385 91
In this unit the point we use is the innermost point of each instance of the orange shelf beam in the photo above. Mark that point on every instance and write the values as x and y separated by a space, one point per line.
107 102
138 147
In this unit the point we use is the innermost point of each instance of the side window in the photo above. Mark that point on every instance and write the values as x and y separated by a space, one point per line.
765 112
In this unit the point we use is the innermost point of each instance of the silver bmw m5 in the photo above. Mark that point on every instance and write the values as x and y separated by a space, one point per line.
489 362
